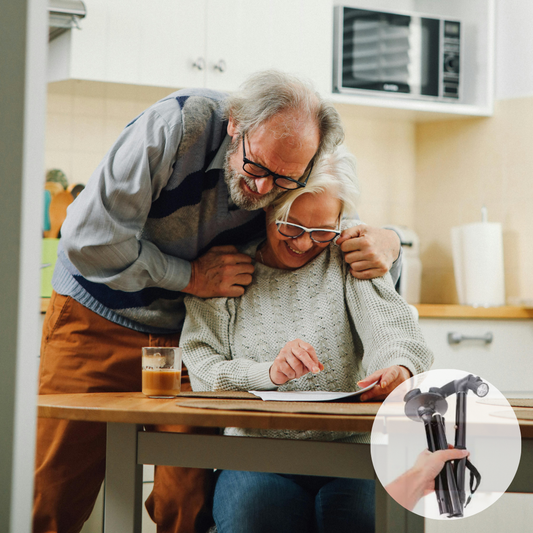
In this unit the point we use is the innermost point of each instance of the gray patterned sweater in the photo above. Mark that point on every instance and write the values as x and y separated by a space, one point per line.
356 327
157 201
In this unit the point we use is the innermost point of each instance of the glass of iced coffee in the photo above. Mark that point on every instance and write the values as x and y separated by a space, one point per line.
161 372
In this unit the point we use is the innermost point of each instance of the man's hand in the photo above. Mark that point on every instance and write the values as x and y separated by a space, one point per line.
294 360
369 251
389 378
221 272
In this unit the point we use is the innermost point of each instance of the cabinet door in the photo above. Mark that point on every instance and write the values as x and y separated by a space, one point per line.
506 362
244 36
139 42
123 43
85 58
172 43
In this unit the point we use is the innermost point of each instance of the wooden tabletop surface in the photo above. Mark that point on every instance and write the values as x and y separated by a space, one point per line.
135 408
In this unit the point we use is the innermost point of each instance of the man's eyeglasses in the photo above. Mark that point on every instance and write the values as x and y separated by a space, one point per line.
319 235
259 171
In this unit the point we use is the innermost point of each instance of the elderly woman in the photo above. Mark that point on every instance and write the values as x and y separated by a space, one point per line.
303 324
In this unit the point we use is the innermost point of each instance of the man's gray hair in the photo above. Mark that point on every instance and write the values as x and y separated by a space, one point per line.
267 93
335 173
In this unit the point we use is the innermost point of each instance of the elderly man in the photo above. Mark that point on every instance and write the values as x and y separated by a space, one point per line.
159 218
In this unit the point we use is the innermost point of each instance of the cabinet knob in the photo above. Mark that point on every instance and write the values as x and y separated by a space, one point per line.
455 337
199 64
221 66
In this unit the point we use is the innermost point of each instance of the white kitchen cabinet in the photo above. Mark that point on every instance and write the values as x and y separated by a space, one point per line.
506 362
135 42
209 43
250 35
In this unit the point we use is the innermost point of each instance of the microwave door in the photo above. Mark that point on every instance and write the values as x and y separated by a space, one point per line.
424 56
390 53
376 51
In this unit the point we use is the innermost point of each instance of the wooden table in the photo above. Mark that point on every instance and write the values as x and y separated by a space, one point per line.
129 447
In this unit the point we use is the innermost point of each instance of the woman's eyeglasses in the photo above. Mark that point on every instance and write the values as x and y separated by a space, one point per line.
318 235
259 171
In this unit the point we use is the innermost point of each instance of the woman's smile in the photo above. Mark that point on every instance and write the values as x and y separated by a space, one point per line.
310 211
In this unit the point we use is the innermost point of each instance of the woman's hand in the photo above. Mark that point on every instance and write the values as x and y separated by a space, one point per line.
388 379
295 359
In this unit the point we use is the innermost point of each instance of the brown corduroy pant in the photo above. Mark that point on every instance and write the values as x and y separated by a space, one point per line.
83 352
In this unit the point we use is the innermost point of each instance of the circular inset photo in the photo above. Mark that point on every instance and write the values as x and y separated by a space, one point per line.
446 444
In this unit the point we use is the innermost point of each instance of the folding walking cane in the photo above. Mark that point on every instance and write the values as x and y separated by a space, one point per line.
428 407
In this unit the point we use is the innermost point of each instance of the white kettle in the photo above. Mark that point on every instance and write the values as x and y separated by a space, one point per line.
411 275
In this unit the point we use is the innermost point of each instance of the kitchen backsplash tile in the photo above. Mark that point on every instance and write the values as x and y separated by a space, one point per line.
463 165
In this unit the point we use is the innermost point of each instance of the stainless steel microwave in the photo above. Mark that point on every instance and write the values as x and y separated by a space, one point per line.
396 54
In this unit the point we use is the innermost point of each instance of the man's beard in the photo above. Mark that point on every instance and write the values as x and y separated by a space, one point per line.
234 180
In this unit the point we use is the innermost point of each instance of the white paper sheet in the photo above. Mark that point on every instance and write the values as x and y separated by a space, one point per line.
306 396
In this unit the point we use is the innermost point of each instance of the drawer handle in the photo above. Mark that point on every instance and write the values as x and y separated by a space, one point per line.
455 338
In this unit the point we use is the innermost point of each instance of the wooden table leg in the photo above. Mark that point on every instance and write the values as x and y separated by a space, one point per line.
123 488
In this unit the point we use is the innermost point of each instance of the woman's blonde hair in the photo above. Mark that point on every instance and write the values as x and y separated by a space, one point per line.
334 172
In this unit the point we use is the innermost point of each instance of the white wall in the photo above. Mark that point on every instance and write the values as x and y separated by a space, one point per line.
514 49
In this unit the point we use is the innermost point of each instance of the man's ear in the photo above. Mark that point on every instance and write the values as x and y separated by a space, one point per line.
232 128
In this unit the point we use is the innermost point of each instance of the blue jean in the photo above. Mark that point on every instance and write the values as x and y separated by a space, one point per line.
255 502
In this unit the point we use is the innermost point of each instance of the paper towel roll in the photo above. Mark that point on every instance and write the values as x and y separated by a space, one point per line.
478 264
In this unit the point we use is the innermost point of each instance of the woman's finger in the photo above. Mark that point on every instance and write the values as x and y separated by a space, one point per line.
296 364
309 349
389 376
286 369
375 376
306 360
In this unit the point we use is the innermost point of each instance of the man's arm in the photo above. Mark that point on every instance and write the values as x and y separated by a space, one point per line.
101 233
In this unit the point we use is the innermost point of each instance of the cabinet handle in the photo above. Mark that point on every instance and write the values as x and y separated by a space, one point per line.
455 338
221 65
199 64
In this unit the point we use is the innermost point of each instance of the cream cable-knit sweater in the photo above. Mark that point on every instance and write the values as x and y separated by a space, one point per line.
355 326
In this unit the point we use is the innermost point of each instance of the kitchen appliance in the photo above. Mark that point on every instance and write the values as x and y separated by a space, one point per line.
410 280
404 55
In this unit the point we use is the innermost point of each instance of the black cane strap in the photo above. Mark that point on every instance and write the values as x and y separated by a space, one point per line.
475 480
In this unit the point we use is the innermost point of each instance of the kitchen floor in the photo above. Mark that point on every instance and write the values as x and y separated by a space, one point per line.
95 522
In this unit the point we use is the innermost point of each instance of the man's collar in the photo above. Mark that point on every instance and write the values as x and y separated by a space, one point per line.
218 160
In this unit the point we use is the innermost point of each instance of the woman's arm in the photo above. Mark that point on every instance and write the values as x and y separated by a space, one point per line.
390 335
207 350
